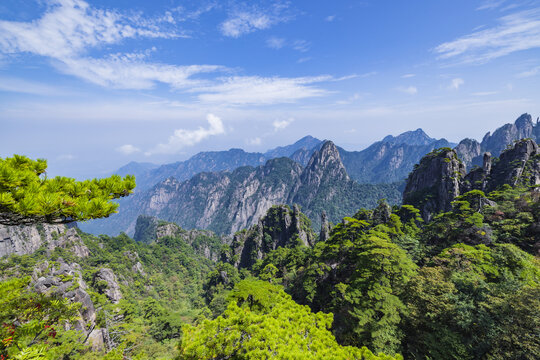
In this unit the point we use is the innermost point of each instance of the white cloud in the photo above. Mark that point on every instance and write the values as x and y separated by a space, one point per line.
132 73
255 141
411 90
281 124
532 72
490 4
301 45
275 43
69 28
243 21
261 90
516 32
182 137
330 18
456 83
127 149
407 76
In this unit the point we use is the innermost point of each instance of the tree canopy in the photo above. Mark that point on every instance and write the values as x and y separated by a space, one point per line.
27 196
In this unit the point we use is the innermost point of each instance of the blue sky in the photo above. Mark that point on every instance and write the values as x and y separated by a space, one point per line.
92 85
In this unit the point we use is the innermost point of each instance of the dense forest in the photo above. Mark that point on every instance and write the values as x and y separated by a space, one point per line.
412 281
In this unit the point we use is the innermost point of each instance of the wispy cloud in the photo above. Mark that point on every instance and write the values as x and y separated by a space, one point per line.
279 43
131 73
254 141
410 90
244 20
456 83
183 137
529 73
407 76
515 32
128 149
70 28
301 45
490 4
30 87
281 124
275 43
262 90
330 18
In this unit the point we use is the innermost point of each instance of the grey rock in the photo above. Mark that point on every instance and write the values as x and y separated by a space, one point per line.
23 240
435 183
112 290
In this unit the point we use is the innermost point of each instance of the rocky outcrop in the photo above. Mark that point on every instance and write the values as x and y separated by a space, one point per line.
505 135
204 242
440 176
470 152
435 182
105 281
66 280
280 227
517 165
325 228
23 240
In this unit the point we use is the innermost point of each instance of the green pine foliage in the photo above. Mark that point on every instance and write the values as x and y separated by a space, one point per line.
263 322
27 196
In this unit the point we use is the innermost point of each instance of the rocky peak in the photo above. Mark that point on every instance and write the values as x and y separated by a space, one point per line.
416 137
505 135
435 182
280 227
325 164
519 164
469 151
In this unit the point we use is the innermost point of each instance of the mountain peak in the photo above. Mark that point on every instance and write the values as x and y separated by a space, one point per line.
416 137
325 164
307 142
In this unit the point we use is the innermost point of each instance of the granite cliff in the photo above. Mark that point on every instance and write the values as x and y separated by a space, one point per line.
440 176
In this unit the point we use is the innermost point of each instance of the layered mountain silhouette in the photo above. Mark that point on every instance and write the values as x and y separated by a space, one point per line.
227 191
226 202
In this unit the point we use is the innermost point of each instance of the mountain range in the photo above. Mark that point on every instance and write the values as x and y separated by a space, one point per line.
226 191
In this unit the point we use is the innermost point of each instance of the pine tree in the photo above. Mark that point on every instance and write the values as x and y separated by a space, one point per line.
28 197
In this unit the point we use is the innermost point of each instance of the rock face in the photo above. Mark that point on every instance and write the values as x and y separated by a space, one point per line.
517 165
66 280
435 182
280 227
496 143
440 176
469 151
227 202
105 280
205 242
325 228
22 240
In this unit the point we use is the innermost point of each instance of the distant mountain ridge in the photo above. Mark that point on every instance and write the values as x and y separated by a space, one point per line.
226 202
212 161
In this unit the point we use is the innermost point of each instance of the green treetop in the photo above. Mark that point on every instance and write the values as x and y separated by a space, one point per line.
263 322
28 197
